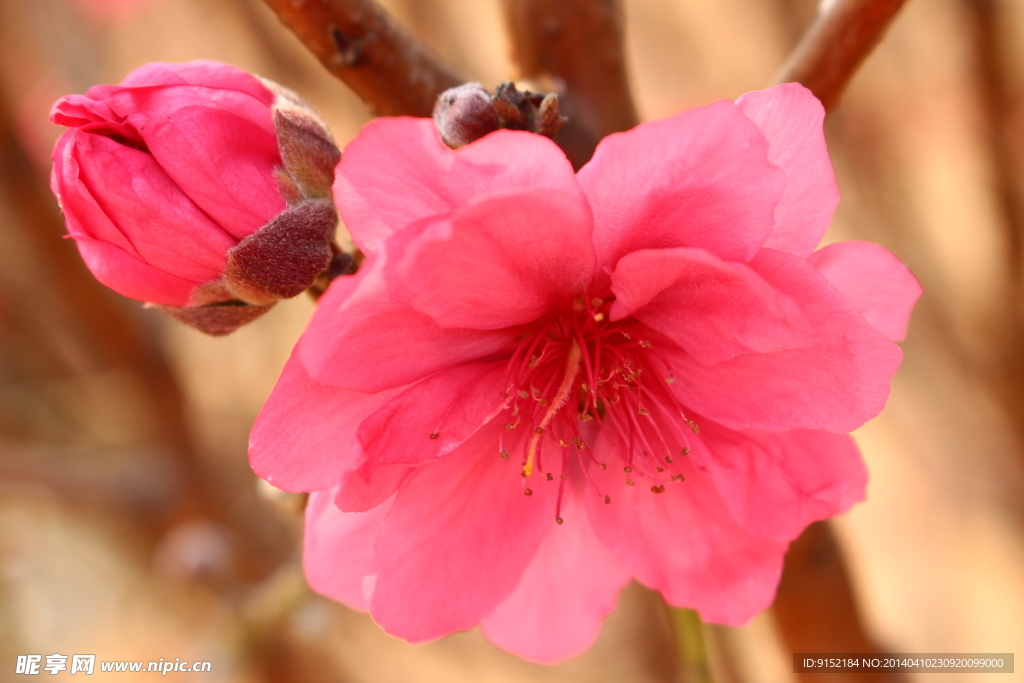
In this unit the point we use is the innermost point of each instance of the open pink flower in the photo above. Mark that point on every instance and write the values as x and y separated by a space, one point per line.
543 384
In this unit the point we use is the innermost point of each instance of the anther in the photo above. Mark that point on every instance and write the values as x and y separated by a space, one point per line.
528 492
565 475
598 317
604 466
658 489
629 482
562 443
539 430
685 451
646 343
694 426
668 459
627 470
607 500
670 380
595 302
558 520
661 469
678 477
434 435
549 477
523 393
644 411
578 442
509 425
504 454
586 417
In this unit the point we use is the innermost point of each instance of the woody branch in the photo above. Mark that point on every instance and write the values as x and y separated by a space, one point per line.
842 35
380 60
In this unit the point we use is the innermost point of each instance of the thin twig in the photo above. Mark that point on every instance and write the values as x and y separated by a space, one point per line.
359 42
842 35
577 43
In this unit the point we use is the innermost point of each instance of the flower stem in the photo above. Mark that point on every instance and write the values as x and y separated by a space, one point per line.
691 647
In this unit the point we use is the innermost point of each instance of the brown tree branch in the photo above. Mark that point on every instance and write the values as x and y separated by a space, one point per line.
579 43
816 609
842 35
359 42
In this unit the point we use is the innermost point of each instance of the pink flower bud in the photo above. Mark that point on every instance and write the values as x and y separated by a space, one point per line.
198 188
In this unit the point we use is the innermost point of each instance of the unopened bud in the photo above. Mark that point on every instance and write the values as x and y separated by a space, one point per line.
468 112
465 114
215 208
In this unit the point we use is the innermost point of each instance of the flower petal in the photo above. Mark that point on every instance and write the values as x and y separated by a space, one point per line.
698 179
407 153
569 587
836 384
163 226
337 550
433 417
394 344
685 543
791 119
874 282
202 72
457 541
218 146
501 261
303 435
714 309
129 276
776 484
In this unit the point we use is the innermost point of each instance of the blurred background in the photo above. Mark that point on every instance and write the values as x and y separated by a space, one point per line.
131 526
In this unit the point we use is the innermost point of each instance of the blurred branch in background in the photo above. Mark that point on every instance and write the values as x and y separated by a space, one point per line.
575 48
842 35
996 90
359 42
816 609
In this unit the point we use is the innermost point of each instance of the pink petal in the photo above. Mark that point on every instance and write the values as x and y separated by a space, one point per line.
80 110
836 384
203 72
874 282
337 550
148 210
501 261
685 543
457 541
776 484
363 489
698 179
219 146
569 587
304 434
407 153
791 119
130 277
435 416
361 339
451 405
714 309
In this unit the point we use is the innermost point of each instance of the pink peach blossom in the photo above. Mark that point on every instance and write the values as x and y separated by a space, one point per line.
543 384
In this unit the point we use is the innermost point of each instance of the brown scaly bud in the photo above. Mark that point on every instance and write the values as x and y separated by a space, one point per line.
465 114
468 112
